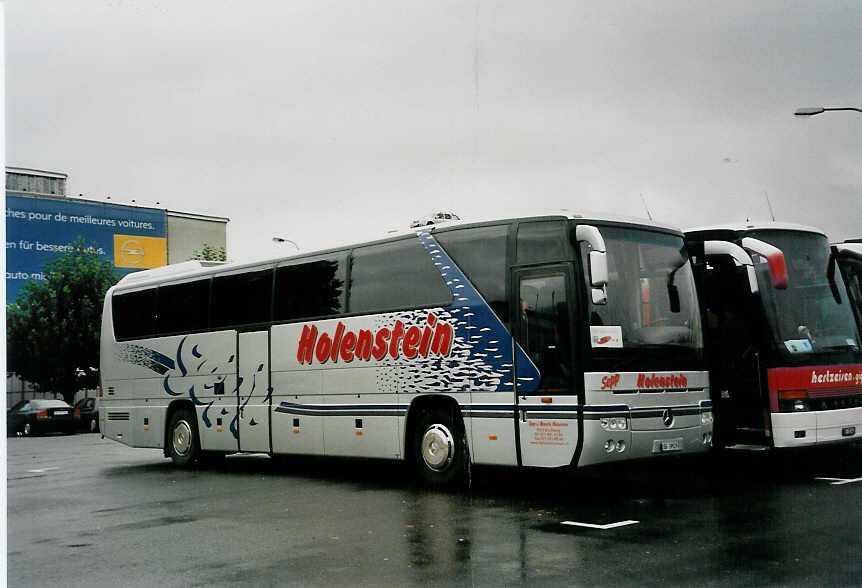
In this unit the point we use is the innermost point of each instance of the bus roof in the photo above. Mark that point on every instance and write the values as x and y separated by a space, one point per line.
853 248
195 269
755 226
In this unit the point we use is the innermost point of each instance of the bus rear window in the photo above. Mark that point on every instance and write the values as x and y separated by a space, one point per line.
134 314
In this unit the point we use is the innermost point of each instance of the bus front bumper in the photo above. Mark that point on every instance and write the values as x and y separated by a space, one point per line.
802 429
602 446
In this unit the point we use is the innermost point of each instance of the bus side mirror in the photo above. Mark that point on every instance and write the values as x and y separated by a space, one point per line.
598 262
774 258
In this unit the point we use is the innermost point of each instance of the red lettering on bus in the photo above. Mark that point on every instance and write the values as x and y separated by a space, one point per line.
426 341
306 344
411 339
347 345
442 343
436 337
653 381
397 332
380 343
336 341
324 346
610 382
363 344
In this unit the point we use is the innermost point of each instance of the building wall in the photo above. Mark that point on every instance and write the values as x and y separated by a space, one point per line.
187 234
18 389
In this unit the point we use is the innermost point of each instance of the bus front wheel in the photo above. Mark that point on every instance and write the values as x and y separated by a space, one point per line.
440 450
184 446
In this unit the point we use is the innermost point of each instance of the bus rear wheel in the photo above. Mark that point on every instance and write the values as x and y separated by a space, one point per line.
440 450
183 443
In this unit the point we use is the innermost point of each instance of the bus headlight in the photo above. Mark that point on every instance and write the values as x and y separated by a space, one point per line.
793 401
706 417
614 423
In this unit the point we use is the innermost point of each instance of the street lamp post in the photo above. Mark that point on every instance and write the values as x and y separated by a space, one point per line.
812 110
283 240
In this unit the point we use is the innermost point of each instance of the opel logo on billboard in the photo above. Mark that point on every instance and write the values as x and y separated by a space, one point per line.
667 417
132 252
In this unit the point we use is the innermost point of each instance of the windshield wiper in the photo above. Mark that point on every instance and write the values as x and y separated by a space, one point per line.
841 346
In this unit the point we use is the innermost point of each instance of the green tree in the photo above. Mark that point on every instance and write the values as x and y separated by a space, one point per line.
52 328
210 253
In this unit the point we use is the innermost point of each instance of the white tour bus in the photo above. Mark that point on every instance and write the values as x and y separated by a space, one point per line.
545 341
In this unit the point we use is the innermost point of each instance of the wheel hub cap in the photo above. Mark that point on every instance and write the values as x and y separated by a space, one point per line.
182 438
438 447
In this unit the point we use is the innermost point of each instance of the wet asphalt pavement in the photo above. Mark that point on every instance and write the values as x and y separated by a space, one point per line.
83 511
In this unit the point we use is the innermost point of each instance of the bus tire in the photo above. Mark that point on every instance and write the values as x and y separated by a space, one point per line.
183 442
440 452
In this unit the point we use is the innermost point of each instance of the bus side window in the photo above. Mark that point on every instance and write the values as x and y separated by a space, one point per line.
311 289
542 241
395 276
183 307
480 253
241 299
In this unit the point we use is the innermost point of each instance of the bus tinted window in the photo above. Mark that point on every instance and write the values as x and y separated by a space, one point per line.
542 241
134 314
241 299
311 289
481 254
183 307
393 276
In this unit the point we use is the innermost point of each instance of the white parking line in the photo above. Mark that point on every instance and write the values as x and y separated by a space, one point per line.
839 481
602 527
42 471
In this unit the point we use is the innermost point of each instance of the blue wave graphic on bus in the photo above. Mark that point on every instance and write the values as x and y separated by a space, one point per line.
145 357
175 372
481 357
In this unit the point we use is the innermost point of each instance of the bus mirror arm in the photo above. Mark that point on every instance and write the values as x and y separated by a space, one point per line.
598 261
738 254
774 258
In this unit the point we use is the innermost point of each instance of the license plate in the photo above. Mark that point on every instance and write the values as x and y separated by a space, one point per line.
56 412
848 431
671 445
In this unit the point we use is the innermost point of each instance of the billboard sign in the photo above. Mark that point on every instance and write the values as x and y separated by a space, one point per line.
38 229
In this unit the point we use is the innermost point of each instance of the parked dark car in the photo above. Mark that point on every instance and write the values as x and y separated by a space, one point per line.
35 416
89 408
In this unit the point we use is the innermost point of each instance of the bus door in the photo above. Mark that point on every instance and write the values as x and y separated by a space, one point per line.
733 343
254 398
548 414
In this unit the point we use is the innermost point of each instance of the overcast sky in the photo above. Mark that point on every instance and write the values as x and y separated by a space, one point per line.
324 122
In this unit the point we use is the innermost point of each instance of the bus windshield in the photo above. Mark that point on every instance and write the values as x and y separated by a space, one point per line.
651 319
805 318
